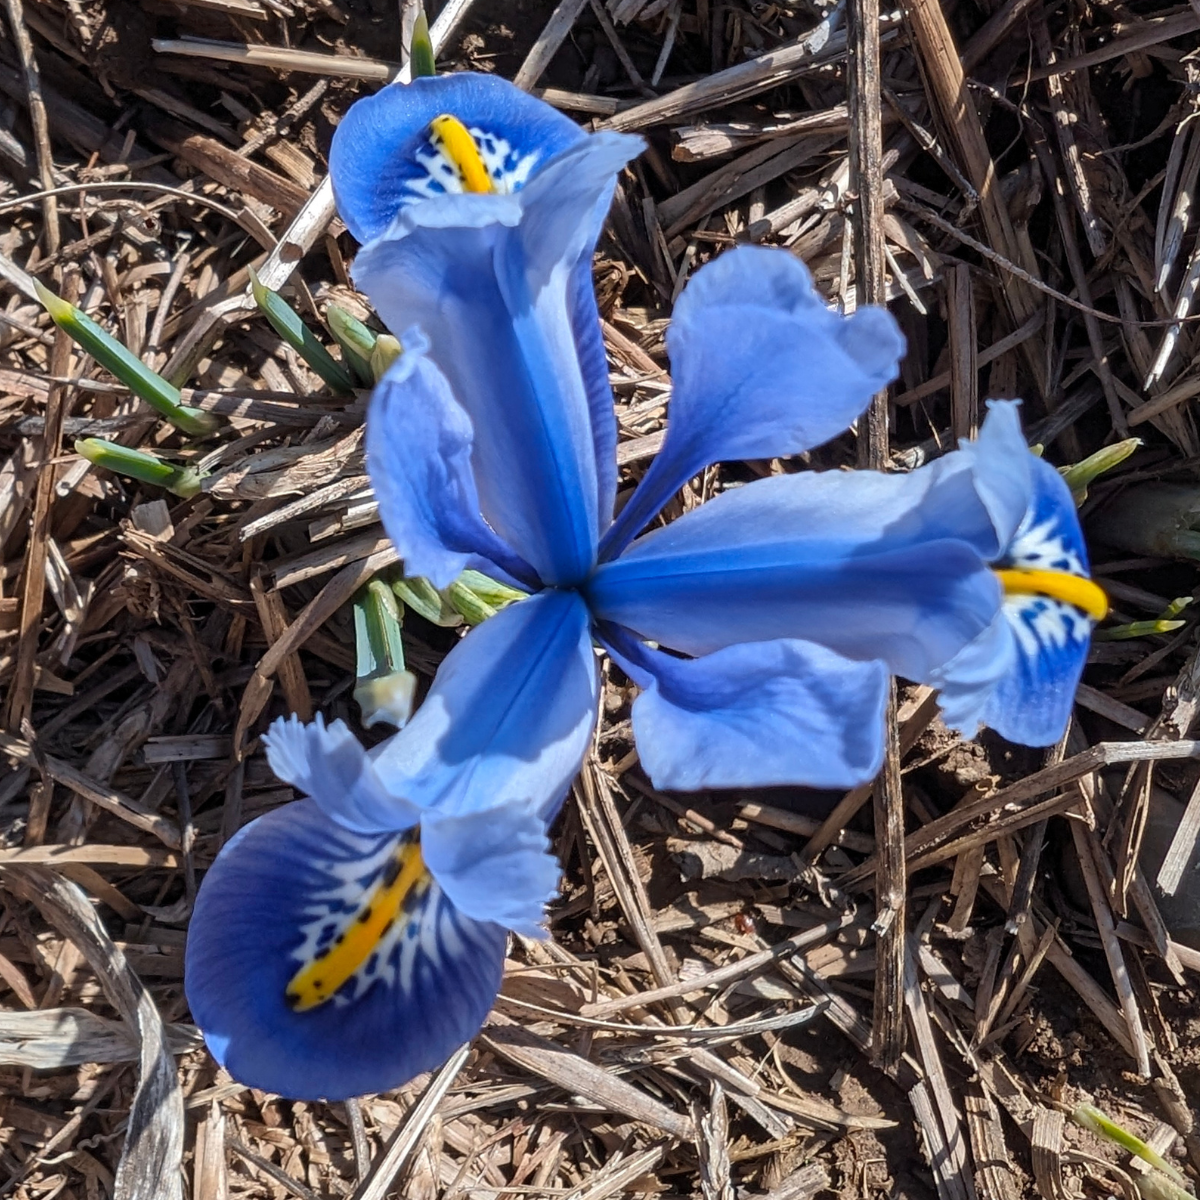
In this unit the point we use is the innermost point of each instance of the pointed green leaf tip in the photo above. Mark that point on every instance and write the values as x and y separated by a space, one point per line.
182 481
162 396
387 350
420 53
288 324
1082 474
1092 1119
356 340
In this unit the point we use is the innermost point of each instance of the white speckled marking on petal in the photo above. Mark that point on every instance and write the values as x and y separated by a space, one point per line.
1044 547
427 928
1042 624
509 170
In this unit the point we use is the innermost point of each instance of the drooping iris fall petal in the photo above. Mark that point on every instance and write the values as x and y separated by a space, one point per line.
281 892
1020 676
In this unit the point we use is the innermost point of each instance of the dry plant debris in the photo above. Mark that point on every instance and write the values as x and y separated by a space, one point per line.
745 997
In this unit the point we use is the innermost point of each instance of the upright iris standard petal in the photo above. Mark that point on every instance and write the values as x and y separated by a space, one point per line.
760 367
870 566
509 715
329 764
386 155
1020 676
755 715
419 444
287 1007
488 279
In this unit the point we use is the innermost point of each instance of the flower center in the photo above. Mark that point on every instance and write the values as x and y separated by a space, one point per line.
404 878
1057 585
454 141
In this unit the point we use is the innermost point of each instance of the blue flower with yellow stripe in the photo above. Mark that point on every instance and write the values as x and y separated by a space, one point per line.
1020 675
346 942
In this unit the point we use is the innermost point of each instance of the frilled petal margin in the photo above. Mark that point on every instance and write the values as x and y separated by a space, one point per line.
1020 676
284 887
870 566
754 715
760 368
509 715
489 280
329 764
419 444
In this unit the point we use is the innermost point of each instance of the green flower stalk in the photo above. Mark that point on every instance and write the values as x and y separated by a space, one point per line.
288 324
137 464
385 689
163 397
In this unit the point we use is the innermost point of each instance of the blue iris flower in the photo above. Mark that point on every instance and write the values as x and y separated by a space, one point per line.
344 943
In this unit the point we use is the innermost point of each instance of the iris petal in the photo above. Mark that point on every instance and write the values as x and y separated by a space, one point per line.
1032 703
329 764
419 444
383 158
1003 469
870 566
281 889
494 865
1021 675
760 368
492 282
755 715
509 715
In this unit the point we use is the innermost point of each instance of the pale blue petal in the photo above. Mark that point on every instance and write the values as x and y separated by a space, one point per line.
870 566
760 368
1003 468
292 880
493 283
329 764
382 158
758 714
509 716
1048 536
494 865
419 445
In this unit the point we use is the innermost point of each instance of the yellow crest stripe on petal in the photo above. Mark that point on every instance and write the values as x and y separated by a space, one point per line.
454 140
330 968
1057 585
